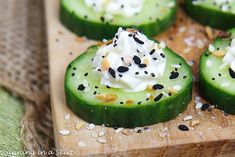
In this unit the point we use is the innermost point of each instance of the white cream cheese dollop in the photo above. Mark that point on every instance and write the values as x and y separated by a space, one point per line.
131 62
229 58
116 7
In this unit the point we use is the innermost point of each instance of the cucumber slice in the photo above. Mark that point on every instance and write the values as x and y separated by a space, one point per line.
155 17
216 14
218 85
127 109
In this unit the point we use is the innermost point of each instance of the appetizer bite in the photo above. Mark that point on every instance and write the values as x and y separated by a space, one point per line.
215 13
98 19
127 82
217 72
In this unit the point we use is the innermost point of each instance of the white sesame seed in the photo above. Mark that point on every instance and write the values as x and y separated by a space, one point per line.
101 133
101 140
67 116
188 117
198 105
91 126
118 130
81 144
208 63
64 132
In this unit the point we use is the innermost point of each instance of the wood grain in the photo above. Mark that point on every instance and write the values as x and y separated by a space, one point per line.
215 136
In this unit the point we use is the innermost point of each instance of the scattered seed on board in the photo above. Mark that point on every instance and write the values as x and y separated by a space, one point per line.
91 126
67 116
64 132
183 127
81 144
187 118
101 133
101 140
118 130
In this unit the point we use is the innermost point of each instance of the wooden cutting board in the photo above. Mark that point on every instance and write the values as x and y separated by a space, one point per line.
214 136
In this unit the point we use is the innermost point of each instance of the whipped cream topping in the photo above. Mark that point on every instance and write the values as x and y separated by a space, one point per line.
131 62
116 7
229 58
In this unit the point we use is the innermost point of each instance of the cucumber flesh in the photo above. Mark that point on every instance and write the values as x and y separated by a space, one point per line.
209 12
82 88
218 85
155 17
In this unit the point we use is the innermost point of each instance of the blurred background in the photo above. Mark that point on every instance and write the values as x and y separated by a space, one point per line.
25 120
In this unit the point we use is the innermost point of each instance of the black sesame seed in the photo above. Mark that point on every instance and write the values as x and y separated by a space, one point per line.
162 55
213 78
81 87
114 45
74 68
86 74
158 86
103 56
120 75
146 72
137 60
137 73
99 70
96 87
184 77
130 35
142 65
152 51
112 72
85 16
205 107
122 69
147 99
157 98
139 131
121 102
155 59
72 74
69 66
219 74
152 74
232 73
138 40
94 93
183 128
122 58
139 102
170 94
174 75
107 87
